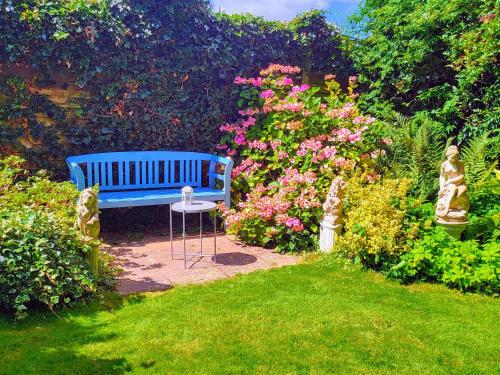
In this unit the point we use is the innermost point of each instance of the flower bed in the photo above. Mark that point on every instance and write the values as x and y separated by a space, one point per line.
291 140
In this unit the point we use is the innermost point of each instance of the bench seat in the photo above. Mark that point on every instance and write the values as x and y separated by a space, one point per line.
146 178
136 198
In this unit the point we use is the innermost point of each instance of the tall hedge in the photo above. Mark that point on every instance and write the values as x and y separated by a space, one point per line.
432 56
157 73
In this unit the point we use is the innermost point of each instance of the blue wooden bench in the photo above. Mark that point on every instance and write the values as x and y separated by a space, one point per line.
145 178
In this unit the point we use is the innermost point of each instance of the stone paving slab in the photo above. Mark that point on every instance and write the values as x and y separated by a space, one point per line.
147 264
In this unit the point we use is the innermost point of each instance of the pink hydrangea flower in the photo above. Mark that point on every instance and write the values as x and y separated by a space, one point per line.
239 139
285 81
277 68
282 154
249 112
267 94
294 125
275 144
262 146
248 122
240 80
358 120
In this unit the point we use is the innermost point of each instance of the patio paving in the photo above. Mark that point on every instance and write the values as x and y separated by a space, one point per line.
147 264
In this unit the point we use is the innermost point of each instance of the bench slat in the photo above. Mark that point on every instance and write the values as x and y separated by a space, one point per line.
137 173
96 173
110 173
127 173
89 174
143 173
157 172
172 172
120 173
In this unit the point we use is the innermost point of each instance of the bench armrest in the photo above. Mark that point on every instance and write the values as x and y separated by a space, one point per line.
76 175
226 177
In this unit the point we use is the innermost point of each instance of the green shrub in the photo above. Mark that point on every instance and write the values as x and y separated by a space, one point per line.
432 56
291 141
41 261
19 189
375 232
42 255
466 265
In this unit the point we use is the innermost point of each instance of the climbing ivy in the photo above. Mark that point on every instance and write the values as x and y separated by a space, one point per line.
158 73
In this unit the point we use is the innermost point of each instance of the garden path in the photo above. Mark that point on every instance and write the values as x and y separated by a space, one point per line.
147 264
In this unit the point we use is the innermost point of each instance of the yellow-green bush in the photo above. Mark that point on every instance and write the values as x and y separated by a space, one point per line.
374 225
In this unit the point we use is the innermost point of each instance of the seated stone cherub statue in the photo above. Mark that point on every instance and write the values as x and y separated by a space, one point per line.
88 214
453 201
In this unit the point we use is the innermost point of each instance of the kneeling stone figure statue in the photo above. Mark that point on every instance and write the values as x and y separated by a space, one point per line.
453 201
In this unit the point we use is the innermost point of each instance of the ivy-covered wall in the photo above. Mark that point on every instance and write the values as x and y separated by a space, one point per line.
80 76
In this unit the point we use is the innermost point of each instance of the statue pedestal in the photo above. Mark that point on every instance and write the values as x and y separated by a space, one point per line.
454 229
327 234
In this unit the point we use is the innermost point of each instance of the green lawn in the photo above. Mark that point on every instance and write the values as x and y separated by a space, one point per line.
314 318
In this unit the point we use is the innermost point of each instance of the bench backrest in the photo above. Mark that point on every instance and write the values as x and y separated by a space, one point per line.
145 169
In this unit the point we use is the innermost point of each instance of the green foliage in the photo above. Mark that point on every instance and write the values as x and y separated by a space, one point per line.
416 152
159 72
375 222
42 255
432 56
479 156
465 265
484 214
291 143
41 261
19 189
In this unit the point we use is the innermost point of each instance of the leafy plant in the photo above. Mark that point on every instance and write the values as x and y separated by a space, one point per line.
477 156
42 255
41 261
291 142
374 226
415 152
434 57
465 265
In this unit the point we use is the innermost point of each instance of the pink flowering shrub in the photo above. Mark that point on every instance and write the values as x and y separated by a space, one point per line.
290 142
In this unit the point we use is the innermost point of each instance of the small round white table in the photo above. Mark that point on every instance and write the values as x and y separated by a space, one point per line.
193 208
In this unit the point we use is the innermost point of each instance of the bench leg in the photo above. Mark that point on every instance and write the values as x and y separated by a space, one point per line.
171 243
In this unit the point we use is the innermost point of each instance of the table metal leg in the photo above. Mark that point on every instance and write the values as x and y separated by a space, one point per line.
171 241
215 237
201 234
184 235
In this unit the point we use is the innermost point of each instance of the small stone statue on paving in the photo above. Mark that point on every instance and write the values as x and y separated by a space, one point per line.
332 220
89 224
453 201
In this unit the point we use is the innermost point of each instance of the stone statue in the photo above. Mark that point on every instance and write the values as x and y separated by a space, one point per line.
89 224
332 208
88 214
453 202
332 220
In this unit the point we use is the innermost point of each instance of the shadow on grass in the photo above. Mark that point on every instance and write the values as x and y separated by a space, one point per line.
47 344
